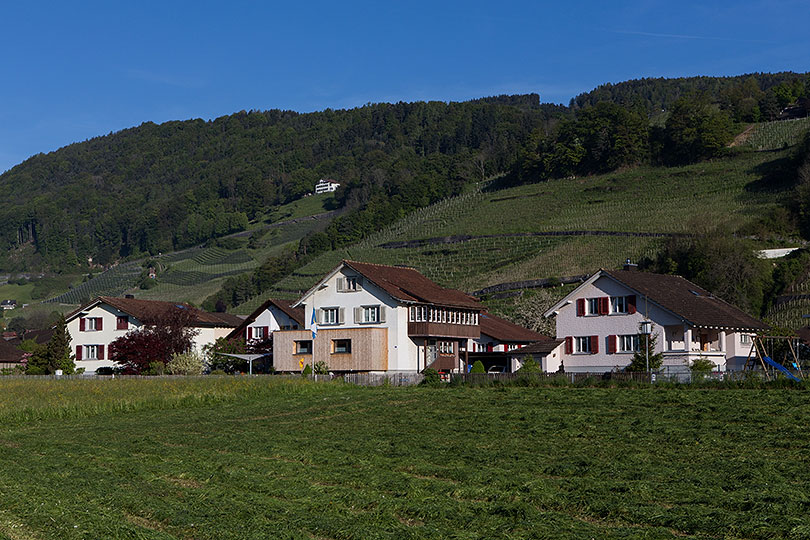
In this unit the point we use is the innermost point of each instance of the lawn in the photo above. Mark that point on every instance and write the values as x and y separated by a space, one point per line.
268 458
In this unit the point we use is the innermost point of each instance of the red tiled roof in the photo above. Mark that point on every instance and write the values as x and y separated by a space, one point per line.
9 353
685 299
145 310
296 314
408 285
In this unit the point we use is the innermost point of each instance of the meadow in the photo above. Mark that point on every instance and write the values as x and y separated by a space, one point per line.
238 457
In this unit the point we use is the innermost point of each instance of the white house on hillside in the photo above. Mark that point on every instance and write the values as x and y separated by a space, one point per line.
325 185
600 322
97 324
377 318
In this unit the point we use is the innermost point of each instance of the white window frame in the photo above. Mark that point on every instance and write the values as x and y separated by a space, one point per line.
582 345
370 314
628 343
618 304
330 316
592 306
90 352
745 339
91 324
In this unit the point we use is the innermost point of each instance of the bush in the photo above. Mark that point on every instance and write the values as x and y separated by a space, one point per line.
218 372
188 363
105 370
702 366
431 377
155 368
307 371
321 368
478 367
530 365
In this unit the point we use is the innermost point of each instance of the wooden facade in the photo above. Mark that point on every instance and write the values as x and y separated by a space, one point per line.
368 349
448 330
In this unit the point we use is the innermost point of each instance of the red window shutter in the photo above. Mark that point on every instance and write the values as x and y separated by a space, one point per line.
631 303
594 344
580 307
122 323
265 332
101 352
569 345
611 344
250 332
98 323
489 347
81 324
604 305
79 351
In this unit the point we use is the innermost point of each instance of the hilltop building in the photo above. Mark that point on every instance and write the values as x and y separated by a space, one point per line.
326 185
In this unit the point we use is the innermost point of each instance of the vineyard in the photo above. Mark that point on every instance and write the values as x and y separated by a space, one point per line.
112 282
579 216
778 134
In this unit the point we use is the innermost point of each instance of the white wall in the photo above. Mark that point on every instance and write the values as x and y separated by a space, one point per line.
402 351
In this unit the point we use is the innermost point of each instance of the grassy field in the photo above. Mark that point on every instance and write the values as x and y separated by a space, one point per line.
263 458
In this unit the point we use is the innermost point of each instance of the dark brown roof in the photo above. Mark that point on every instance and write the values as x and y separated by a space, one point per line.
408 285
540 348
685 299
503 330
228 318
296 314
9 353
145 310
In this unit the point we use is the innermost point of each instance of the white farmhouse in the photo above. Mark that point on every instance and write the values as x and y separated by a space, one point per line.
376 318
325 185
97 324
272 316
600 322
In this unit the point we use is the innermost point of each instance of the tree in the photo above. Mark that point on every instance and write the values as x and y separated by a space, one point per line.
54 355
530 365
646 351
220 362
478 367
695 130
187 363
140 351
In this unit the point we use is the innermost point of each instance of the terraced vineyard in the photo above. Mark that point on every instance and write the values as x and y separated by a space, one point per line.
561 227
778 134
112 282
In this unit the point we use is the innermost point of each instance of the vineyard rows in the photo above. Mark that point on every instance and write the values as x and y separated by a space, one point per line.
111 282
778 134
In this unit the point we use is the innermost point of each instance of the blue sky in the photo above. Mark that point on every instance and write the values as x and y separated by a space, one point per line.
72 71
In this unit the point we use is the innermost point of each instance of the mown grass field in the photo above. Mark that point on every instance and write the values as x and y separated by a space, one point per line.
268 458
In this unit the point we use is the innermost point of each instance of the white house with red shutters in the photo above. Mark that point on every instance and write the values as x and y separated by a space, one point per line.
600 322
97 324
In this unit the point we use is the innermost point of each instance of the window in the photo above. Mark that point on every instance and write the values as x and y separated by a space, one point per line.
122 323
341 346
445 347
745 339
90 352
330 315
618 304
258 332
582 344
627 343
370 314
592 306
90 324
349 284
303 347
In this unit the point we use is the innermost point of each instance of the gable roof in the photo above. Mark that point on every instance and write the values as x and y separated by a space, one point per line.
144 310
541 348
296 314
407 285
503 330
694 304
9 353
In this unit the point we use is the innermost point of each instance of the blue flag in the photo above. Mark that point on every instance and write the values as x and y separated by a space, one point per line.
314 324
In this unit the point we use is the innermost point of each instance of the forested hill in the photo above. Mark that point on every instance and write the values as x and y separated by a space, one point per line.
158 188
163 187
751 98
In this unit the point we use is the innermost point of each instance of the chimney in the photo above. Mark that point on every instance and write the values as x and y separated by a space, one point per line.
132 296
630 267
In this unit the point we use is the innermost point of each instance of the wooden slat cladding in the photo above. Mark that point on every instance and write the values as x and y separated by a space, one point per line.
369 349
433 329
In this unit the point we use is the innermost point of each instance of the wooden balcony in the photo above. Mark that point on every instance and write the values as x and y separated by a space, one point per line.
448 330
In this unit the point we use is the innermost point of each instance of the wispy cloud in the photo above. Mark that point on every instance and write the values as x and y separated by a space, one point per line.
686 36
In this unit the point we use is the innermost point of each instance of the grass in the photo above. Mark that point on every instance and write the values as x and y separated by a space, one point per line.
778 134
258 458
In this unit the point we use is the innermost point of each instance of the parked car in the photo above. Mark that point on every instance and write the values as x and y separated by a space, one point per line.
497 369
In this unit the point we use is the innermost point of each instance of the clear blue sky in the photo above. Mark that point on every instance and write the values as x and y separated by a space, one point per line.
74 70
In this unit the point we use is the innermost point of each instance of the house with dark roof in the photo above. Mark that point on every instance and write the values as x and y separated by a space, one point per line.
364 317
98 323
271 316
600 322
501 339
8 304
